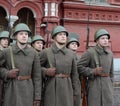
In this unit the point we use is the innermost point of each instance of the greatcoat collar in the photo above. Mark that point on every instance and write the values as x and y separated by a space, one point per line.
101 50
16 49
55 49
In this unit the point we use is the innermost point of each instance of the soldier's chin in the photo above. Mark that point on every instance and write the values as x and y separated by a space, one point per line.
105 45
23 43
61 43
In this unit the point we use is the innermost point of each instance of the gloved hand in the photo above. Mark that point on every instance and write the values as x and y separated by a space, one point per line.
13 73
97 71
36 103
51 72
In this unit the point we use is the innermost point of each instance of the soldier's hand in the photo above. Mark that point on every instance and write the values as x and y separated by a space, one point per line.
51 72
97 71
36 103
13 73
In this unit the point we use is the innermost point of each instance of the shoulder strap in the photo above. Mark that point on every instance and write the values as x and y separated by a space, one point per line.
48 53
95 57
12 58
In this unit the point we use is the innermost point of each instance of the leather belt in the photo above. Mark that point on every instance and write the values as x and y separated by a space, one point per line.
62 75
23 77
104 75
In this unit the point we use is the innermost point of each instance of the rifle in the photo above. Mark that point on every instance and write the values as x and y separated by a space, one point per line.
9 27
47 33
44 80
84 102
88 28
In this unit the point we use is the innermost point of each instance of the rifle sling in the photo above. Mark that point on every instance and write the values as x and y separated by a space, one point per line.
96 57
49 61
12 58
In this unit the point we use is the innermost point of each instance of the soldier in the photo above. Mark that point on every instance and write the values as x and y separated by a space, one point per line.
21 71
60 71
4 42
4 39
38 43
73 44
97 65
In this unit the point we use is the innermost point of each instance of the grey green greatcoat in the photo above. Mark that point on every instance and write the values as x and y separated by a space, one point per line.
78 101
99 89
21 92
1 91
59 91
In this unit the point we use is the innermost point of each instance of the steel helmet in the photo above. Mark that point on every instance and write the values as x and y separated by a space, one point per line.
21 27
70 40
100 33
73 37
4 34
38 38
57 30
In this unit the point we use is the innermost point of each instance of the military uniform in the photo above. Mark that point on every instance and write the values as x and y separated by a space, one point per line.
99 87
60 88
60 91
73 37
26 87
1 89
78 101
3 34
38 46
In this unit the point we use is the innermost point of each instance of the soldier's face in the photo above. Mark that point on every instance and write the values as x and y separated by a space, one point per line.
73 46
103 41
61 38
38 45
22 37
4 42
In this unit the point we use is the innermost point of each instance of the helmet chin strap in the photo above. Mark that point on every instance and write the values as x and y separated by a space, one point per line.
60 45
21 45
100 45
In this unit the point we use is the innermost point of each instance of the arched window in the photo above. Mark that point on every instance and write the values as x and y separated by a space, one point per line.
3 20
26 16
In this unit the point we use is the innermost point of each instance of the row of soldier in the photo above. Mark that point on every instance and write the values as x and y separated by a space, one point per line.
52 76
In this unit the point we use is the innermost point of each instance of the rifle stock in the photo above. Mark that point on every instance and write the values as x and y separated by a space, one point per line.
84 101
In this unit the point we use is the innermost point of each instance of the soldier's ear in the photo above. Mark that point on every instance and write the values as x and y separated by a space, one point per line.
15 37
96 41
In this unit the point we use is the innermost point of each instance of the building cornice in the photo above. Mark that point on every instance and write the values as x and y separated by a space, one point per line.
97 14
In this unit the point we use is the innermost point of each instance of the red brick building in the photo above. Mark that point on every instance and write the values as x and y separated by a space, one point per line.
76 15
